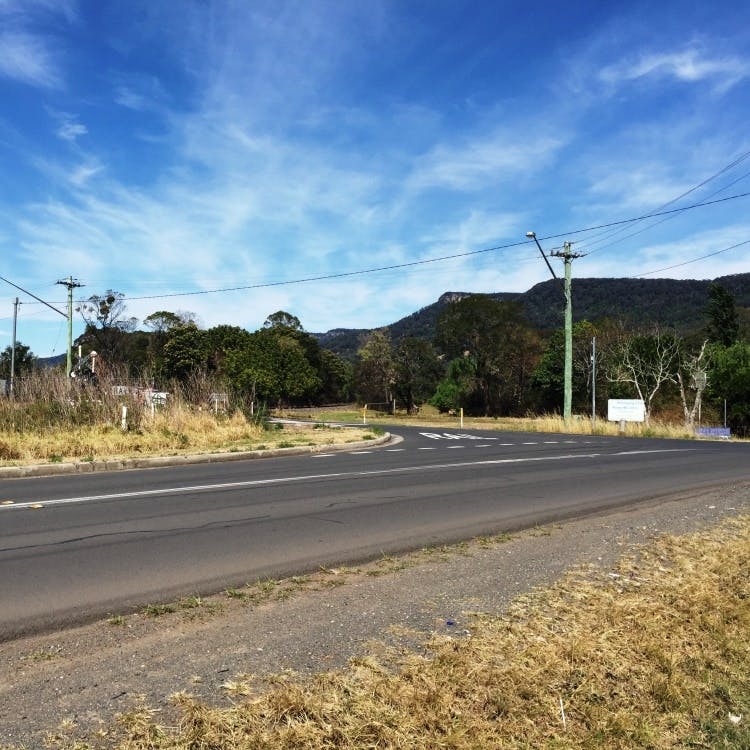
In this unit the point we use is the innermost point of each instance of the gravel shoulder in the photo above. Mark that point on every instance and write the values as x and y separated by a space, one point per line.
87 675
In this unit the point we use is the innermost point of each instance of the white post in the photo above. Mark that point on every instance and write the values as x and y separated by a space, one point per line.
462 417
124 423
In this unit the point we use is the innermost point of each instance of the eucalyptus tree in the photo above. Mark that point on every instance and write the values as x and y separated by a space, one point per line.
502 348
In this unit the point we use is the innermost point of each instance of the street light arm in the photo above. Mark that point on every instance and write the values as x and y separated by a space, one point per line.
532 235
38 299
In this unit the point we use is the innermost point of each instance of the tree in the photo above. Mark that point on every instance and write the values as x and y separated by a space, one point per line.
106 325
729 378
723 320
24 360
161 323
692 380
417 371
221 340
185 352
454 391
336 376
503 348
273 367
374 373
645 362
283 319
547 380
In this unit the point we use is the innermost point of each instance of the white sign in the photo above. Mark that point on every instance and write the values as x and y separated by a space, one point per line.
626 410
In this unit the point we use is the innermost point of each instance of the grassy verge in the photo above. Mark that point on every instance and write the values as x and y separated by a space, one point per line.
430 417
179 431
653 654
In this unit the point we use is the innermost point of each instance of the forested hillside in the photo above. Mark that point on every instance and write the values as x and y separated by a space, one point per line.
670 303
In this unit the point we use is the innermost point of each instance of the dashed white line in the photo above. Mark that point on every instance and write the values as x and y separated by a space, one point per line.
191 489
456 446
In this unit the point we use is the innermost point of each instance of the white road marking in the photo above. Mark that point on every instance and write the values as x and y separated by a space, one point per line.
333 475
394 450
529 443
321 455
359 453
456 446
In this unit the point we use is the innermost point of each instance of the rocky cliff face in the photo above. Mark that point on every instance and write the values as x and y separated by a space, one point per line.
450 297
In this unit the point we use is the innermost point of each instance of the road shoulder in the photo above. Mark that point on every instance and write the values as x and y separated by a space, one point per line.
89 674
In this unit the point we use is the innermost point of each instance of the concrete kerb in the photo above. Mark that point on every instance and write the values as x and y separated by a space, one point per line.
87 467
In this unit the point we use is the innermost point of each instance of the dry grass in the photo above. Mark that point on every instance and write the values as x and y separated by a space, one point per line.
655 655
172 433
54 420
550 423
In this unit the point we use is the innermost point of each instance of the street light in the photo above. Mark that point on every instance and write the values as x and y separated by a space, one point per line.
567 257
532 236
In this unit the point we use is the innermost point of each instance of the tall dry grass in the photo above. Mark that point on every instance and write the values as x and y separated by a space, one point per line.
654 654
54 419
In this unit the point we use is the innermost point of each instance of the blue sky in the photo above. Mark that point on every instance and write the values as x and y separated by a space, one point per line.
179 147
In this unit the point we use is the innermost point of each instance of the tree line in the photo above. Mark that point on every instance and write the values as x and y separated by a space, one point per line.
485 359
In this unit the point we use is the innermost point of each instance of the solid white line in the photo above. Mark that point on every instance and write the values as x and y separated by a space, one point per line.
334 475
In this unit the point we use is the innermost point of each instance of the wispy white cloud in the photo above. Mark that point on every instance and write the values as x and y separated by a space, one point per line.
483 160
26 54
689 65
27 58
70 129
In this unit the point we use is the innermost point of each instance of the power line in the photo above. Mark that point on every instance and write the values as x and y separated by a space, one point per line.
425 261
692 260
666 218
395 266
742 157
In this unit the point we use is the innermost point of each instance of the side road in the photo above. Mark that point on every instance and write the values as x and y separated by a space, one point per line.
85 676
146 462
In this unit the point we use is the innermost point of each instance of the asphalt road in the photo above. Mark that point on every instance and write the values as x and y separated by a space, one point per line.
77 547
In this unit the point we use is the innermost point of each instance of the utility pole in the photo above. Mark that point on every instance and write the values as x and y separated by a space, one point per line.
13 348
568 256
71 284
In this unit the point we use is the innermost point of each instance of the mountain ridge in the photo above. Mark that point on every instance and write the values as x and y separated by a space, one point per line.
671 303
